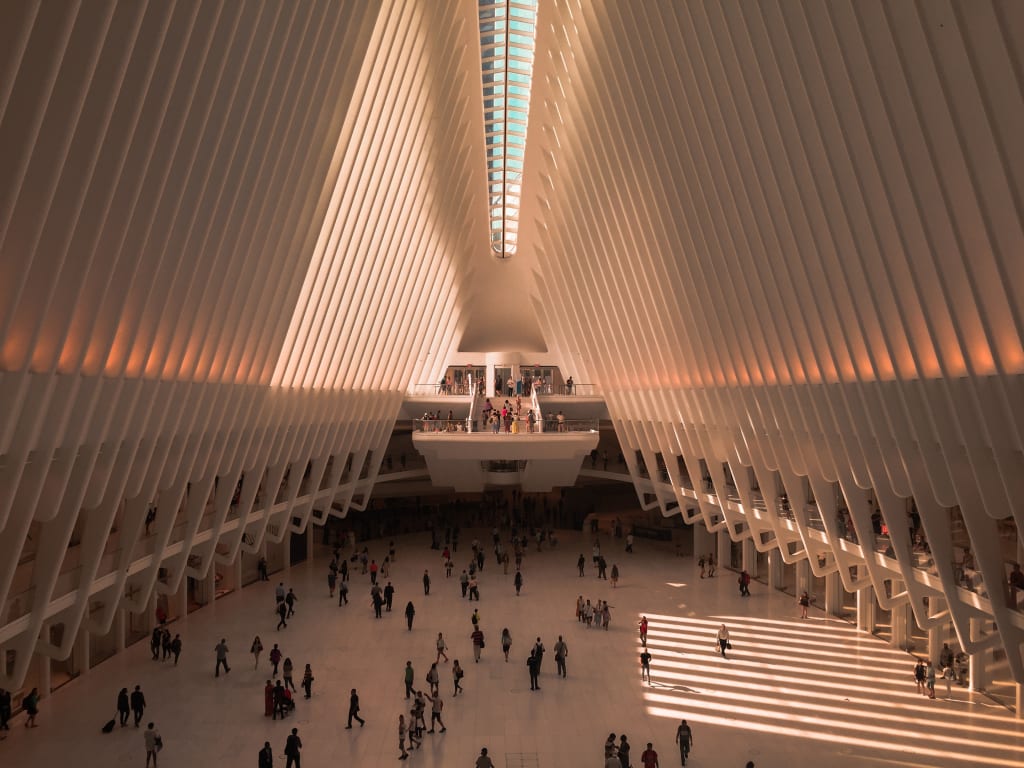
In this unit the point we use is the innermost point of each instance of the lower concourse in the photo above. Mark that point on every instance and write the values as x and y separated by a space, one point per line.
789 689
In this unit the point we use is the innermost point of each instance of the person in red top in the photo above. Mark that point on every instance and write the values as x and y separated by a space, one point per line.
649 758
643 630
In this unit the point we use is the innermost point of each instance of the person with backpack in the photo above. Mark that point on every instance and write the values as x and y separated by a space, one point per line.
744 582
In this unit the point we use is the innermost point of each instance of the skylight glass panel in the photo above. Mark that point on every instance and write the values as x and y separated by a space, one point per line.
507 44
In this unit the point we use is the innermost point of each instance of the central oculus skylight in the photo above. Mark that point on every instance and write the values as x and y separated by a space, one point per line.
508 29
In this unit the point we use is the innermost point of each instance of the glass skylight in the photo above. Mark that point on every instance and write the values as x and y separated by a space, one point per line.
508 29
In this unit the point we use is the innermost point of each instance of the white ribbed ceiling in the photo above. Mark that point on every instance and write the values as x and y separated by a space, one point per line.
783 235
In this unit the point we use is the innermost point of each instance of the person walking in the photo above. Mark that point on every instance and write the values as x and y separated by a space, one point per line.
649 758
433 678
176 648
343 593
723 640
744 582
643 631
287 670
268 699
256 649
353 710
332 579
307 681
402 732
561 651
282 613
410 676
436 705
930 679
275 658
534 669
293 749
711 565
410 611
151 738
518 581
478 643
701 563
266 756
389 595
290 599
615 575
262 569
138 703
221 650
645 666
426 582
373 571
31 706
919 676
484 761
506 642
441 648
464 582
457 675
123 707
624 748
581 564
684 738
804 602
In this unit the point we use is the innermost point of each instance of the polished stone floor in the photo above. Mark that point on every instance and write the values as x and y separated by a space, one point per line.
792 692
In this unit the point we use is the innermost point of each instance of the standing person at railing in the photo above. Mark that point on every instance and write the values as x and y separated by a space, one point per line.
568 386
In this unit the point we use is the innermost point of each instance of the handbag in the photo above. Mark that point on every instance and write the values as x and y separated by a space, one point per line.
159 743
728 645
482 644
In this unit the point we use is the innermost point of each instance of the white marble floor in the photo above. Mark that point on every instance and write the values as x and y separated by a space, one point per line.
792 692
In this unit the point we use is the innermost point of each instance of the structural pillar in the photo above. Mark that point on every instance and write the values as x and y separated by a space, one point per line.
45 667
833 594
803 576
900 619
775 569
80 652
979 662
120 629
866 610
936 633
723 549
749 557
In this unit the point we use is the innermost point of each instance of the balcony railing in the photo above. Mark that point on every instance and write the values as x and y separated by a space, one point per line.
519 426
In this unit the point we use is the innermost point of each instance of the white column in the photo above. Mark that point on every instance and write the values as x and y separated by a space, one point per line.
120 629
803 577
866 609
833 594
936 633
979 666
900 619
80 652
723 550
749 557
775 569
